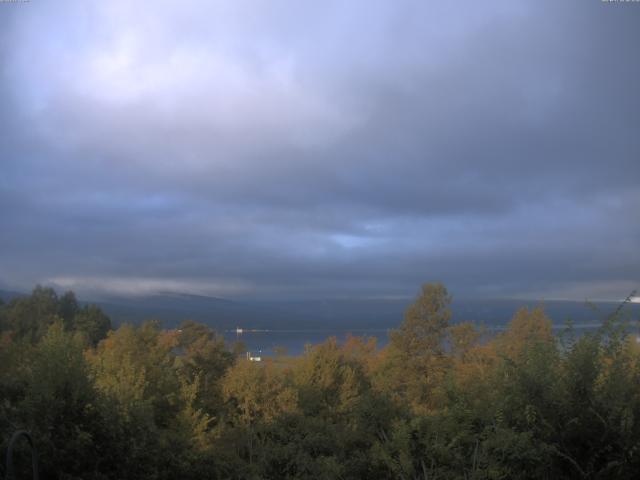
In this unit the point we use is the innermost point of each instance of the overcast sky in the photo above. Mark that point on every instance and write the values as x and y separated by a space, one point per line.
276 149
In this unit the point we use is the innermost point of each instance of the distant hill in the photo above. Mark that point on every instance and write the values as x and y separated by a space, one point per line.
8 295
171 309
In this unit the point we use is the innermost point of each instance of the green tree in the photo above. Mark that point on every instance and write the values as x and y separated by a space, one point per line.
139 397
92 322
255 394
414 364
29 318
203 358
425 323
68 309
59 406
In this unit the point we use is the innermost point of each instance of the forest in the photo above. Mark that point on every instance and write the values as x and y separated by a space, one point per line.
440 401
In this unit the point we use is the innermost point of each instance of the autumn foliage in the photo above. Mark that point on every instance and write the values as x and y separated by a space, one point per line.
441 400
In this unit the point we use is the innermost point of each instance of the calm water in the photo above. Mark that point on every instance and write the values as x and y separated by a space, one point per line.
263 342
293 324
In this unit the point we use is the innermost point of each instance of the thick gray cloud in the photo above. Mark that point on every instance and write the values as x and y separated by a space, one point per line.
321 149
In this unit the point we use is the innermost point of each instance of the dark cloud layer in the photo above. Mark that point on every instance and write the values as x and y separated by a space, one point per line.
332 149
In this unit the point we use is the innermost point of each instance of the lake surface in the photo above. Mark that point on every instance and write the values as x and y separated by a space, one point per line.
294 324
264 342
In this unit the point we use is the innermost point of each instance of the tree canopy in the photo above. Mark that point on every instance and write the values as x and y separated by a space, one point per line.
440 400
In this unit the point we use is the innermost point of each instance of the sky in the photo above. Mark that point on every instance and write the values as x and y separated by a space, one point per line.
293 149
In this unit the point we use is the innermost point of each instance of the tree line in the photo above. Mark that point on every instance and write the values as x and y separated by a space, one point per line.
440 401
